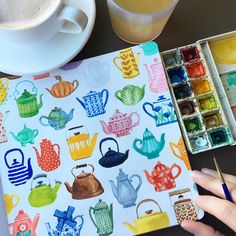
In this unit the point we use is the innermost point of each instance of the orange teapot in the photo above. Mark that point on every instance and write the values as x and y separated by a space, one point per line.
162 177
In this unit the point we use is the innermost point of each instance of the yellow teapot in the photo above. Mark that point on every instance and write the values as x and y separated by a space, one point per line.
11 201
150 221
3 89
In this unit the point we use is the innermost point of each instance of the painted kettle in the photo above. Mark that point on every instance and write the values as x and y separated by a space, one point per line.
124 191
103 218
23 225
94 103
85 185
112 158
42 194
27 102
149 146
150 221
18 172
57 118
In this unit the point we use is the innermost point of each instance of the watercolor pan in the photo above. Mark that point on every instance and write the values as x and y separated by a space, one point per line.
171 59
200 87
187 108
193 124
212 120
196 70
177 75
189 54
182 91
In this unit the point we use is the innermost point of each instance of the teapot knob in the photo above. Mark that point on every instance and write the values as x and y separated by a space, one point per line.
148 212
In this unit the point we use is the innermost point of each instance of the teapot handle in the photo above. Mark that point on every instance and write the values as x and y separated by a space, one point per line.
105 91
75 84
13 150
115 63
90 214
106 139
140 182
144 201
179 170
16 92
5 82
75 128
82 220
145 109
40 176
36 132
41 120
58 149
138 116
81 166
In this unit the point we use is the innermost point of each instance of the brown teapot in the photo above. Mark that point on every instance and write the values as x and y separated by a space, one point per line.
85 185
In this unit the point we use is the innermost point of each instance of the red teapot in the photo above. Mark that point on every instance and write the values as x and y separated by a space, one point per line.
162 177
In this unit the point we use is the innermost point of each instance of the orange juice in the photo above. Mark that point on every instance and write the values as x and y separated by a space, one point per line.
138 21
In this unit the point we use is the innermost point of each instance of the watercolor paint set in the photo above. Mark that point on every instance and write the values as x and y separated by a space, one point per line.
202 81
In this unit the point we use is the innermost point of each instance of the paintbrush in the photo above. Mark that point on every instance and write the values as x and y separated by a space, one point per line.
223 183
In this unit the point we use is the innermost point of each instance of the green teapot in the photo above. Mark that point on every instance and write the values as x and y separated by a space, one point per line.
131 94
27 103
43 194
26 135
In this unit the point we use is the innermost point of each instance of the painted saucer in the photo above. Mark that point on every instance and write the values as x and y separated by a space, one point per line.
54 53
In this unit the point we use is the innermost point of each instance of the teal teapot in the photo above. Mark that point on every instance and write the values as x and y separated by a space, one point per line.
131 94
124 191
149 146
57 118
26 135
103 218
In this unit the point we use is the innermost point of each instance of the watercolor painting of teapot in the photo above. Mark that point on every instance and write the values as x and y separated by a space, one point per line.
124 191
3 90
149 146
42 194
63 88
162 111
131 94
120 123
49 157
150 221
67 224
162 177
25 136
103 218
57 118
128 63
27 103
180 152
18 172
85 185
23 225
11 201
112 158
94 103
3 132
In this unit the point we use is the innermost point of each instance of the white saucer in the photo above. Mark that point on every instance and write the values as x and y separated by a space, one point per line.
40 58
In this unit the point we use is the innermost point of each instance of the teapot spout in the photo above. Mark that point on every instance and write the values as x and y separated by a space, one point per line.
35 222
57 186
38 156
114 189
70 115
105 127
40 101
68 187
130 227
148 176
94 140
137 58
14 136
82 104
49 90
49 229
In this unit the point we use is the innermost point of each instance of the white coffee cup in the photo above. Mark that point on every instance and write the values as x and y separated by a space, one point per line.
64 18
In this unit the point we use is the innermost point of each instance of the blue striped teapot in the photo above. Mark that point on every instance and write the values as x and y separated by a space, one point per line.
18 172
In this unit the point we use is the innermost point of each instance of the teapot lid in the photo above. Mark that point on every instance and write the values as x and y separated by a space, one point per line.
162 98
147 134
91 93
55 112
118 115
25 97
100 205
110 153
83 174
121 176
21 216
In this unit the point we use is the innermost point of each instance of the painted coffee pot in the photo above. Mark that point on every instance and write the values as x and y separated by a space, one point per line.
124 191
27 102
3 90
57 118
85 185
3 133
23 225
162 177
120 123
94 103
149 146
103 218
42 194
63 88
26 135
18 172
112 158
49 158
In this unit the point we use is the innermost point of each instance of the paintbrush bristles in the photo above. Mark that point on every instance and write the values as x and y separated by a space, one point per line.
218 170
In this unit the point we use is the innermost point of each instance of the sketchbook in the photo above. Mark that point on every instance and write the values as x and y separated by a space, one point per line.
94 148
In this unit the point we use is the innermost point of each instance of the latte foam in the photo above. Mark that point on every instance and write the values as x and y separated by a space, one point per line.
25 13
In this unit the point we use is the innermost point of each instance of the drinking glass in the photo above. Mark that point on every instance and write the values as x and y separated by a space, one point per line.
139 21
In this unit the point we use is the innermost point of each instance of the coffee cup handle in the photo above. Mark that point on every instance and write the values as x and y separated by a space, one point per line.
73 20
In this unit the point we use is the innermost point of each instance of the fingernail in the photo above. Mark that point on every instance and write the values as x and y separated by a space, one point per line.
208 171
197 174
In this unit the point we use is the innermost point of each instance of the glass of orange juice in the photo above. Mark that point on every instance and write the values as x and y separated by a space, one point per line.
139 21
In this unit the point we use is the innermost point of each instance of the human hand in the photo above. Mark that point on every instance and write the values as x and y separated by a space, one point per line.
216 206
